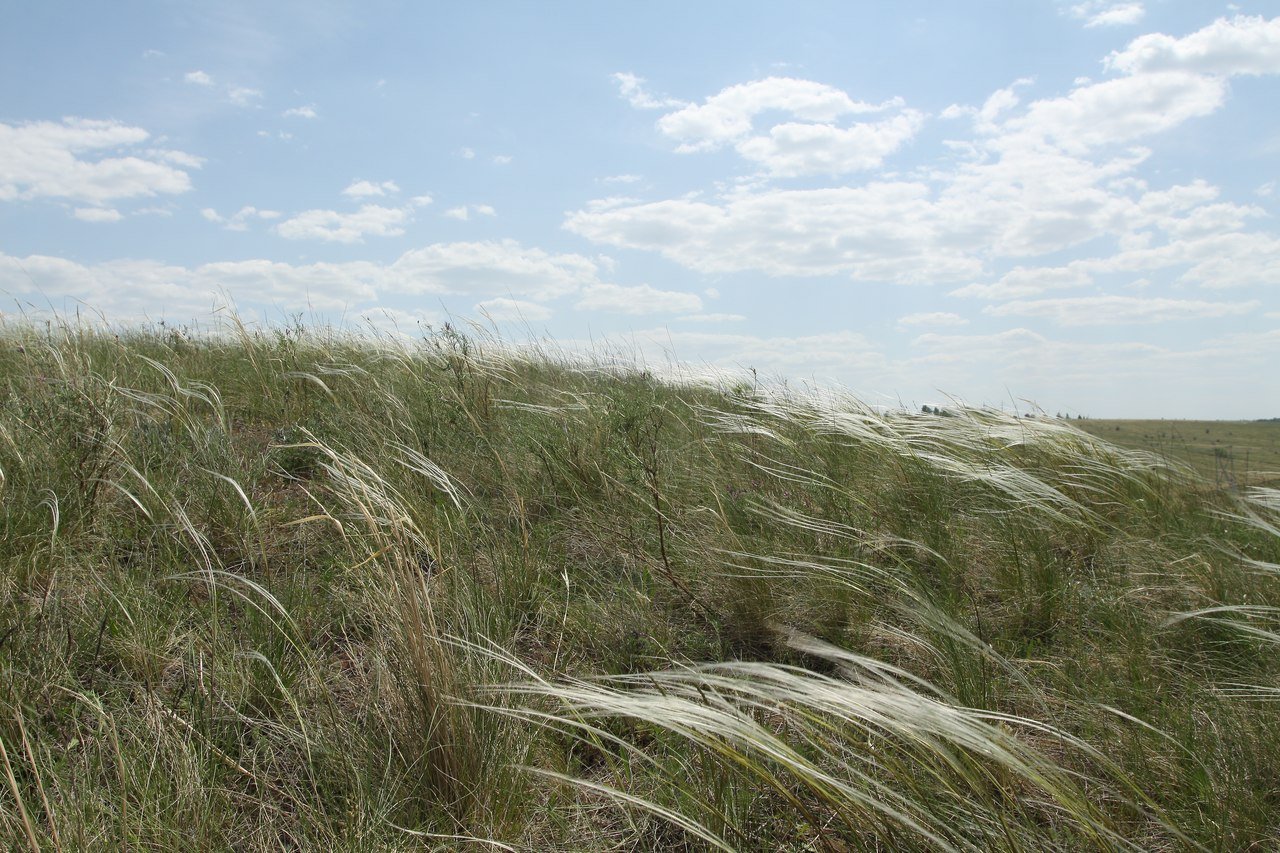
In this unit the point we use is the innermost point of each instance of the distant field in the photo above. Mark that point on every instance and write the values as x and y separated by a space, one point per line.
1226 452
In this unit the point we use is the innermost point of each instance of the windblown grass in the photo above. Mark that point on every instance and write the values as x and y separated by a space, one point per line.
269 589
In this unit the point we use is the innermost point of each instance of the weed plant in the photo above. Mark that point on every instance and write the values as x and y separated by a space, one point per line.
298 589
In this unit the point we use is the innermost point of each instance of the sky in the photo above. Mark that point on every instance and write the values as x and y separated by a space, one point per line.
1069 204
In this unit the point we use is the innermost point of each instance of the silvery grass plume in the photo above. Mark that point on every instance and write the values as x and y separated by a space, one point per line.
870 754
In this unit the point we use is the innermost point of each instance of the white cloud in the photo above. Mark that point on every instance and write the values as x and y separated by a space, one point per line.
198 78
1108 13
641 299
467 153
728 115
50 160
501 159
178 158
502 309
1034 179
794 149
243 96
632 88
1222 372
127 289
238 221
621 179
307 111
1119 310
131 289
931 318
360 189
97 214
1030 281
498 267
463 212
827 355
713 318
394 321
1115 111
371 220
1241 45
809 142
882 231
1212 260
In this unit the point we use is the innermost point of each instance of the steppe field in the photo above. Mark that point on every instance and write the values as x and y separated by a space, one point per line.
1227 453
279 590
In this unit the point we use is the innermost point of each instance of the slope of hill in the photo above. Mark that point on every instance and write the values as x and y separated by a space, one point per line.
296 590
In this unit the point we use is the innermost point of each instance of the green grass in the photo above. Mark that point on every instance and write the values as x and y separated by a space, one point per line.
293 589
1226 453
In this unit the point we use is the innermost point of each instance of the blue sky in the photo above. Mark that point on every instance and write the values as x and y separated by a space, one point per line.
1070 202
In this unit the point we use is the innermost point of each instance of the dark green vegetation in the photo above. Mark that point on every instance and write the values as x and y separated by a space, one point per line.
295 591
1226 453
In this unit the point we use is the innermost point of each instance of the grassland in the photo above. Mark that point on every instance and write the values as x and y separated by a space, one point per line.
1229 454
289 589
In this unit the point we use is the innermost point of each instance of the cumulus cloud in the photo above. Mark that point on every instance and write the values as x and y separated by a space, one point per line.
463 212
308 111
882 231
1220 373
1115 111
931 318
137 288
361 189
715 317
97 214
632 88
371 220
238 221
1108 13
1213 260
504 267
244 96
144 288
86 160
1034 177
1119 310
198 78
501 309
827 355
793 149
810 142
728 115
1240 46
643 299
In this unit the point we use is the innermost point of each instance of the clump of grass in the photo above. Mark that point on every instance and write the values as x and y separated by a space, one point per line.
266 588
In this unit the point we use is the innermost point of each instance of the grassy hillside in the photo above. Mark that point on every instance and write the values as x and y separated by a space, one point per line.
291 590
1226 453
